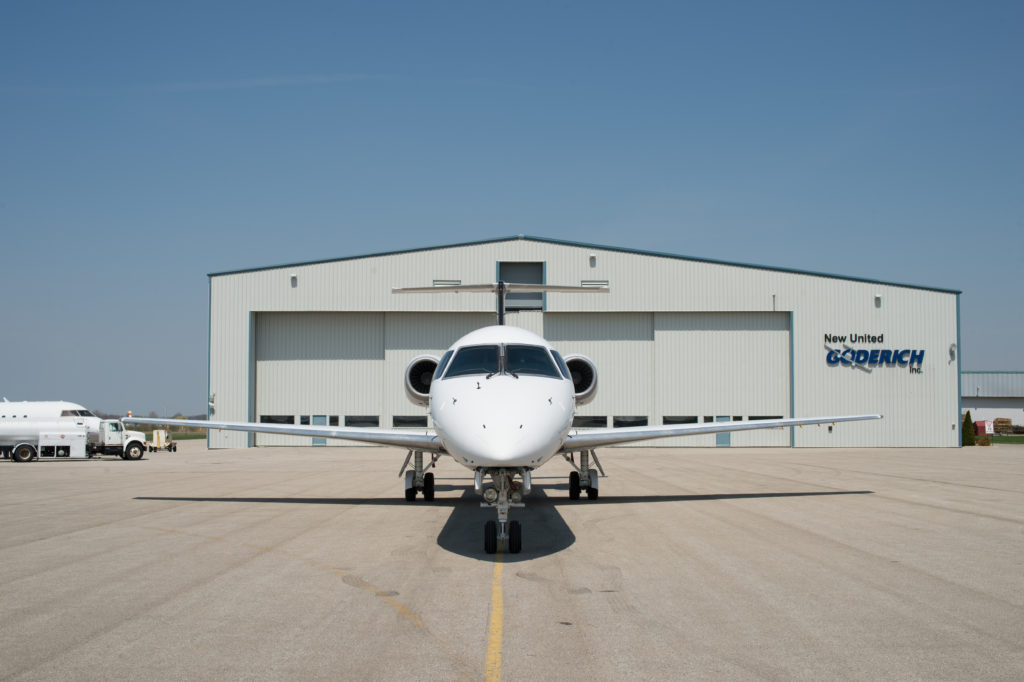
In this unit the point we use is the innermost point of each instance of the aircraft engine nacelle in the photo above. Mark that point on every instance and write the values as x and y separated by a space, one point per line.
418 375
583 373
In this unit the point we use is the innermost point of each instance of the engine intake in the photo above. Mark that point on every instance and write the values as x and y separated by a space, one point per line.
583 373
419 373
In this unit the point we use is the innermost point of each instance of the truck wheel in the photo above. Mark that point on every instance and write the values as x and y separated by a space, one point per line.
133 451
23 453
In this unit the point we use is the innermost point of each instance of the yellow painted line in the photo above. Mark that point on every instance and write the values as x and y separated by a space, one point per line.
493 665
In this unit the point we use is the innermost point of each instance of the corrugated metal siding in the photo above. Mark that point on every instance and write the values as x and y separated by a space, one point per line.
734 364
622 348
919 408
318 364
993 384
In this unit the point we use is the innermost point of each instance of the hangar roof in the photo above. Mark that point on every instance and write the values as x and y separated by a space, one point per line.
993 384
562 242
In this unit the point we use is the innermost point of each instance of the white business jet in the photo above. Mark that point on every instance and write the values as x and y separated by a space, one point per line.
502 401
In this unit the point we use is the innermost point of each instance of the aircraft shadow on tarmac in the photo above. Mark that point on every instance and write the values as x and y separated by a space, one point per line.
544 530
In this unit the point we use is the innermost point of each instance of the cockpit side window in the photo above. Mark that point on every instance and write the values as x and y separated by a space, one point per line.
530 360
564 368
84 413
442 364
473 360
69 413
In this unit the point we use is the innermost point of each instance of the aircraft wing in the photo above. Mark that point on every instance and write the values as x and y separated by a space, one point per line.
585 439
424 440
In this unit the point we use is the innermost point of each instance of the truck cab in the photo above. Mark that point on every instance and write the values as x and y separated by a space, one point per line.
114 439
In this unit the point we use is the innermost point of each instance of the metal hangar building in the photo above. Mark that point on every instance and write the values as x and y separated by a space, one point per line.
677 340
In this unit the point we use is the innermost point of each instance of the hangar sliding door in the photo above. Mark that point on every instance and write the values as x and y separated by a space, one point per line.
713 364
621 345
317 363
345 367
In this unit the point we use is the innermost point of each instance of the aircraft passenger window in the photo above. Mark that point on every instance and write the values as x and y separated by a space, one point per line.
474 360
564 368
442 364
530 360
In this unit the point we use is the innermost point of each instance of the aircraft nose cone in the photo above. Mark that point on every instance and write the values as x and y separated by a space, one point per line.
502 437
505 422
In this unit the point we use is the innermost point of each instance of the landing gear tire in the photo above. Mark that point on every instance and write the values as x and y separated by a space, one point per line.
410 494
574 485
428 487
491 537
515 537
591 493
23 453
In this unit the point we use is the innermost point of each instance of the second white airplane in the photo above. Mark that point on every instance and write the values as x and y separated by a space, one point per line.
502 402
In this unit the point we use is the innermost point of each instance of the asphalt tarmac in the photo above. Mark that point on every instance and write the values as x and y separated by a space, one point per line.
307 563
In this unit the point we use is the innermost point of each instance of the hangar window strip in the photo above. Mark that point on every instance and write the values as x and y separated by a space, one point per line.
277 419
759 418
619 422
409 421
362 420
678 420
590 422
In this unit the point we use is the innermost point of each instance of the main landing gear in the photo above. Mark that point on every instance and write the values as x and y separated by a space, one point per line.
584 477
502 496
416 481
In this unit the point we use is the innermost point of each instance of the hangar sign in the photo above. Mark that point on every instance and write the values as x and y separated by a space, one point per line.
850 356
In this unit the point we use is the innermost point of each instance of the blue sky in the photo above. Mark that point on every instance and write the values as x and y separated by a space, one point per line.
144 146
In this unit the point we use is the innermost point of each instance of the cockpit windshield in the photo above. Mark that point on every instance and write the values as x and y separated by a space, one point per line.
514 359
474 360
533 360
561 364
442 364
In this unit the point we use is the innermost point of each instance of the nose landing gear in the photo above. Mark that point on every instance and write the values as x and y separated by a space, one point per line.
503 496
